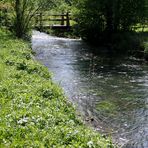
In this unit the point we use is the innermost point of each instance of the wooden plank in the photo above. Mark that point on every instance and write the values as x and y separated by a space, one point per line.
48 19
55 26
52 14
58 19
63 18
57 14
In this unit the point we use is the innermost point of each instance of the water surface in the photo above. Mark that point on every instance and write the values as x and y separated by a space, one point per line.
111 92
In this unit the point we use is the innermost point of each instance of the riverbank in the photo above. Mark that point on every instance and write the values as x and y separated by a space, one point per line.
34 112
132 43
70 33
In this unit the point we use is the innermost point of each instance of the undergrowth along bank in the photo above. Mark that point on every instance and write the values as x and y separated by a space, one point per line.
34 111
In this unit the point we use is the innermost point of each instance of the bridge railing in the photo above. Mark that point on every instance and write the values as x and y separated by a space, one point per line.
43 20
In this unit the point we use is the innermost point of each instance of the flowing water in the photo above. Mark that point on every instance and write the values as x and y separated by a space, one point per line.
112 93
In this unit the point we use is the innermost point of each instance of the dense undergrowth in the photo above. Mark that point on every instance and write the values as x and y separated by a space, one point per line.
34 112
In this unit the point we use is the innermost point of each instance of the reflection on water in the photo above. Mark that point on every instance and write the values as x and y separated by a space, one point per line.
110 91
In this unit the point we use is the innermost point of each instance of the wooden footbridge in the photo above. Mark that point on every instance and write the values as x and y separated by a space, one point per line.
53 21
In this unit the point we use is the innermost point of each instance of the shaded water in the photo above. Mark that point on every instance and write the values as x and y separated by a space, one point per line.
111 93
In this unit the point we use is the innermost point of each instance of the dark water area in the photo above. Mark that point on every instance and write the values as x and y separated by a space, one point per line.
110 92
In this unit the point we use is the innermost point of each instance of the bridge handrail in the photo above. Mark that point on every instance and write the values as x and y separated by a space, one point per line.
64 18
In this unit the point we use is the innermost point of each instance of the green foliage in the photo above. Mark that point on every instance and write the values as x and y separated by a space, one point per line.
62 6
24 11
5 17
34 112
101 18
21 15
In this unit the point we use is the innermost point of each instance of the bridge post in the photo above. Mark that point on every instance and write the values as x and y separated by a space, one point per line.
36 20
67 20
62 19
40 20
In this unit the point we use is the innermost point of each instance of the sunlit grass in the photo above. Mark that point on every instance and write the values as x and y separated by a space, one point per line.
141 28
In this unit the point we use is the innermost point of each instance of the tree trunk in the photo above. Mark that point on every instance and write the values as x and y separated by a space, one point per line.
18 24
117 8
109 18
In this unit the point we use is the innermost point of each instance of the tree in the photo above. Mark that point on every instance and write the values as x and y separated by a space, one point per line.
25 10
96 17
62 6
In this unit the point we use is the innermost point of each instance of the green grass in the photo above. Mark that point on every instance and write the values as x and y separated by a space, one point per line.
141 28
34 112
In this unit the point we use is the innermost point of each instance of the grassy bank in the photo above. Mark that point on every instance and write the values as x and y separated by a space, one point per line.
34 112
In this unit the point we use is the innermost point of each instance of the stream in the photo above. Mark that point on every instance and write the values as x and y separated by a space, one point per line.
111 92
